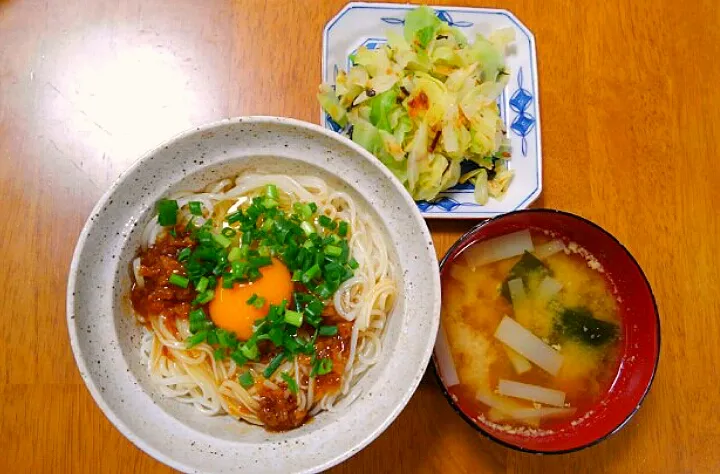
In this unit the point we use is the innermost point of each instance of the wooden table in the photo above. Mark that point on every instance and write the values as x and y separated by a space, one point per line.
630 101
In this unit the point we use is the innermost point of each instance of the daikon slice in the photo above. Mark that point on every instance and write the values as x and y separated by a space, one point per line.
548 288
499 248
549 249
519 363
517 291
445 360
528 345
534 393
498 416
543 413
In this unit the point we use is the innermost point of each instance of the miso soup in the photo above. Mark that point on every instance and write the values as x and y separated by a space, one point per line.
533 328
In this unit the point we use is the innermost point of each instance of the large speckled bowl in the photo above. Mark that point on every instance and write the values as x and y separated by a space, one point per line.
105 337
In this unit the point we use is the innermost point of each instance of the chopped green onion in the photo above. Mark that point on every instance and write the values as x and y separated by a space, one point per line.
196 326
196 339
202 284
228 281
313 207
167 212
324 221
219 354
249 350
184 254
234 254
205 297
324 366
292 385
246 380
271 191
238 358
276 335
212 337
323 291
195 208
274 364
234 217
297 274
197 315
256 301
353 264
221 240
228 232
333 251
260 261
328 330
293 318
307 228
179 280
269 203
342 229
311 273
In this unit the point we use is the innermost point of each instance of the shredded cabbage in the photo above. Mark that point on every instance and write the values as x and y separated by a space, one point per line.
426 101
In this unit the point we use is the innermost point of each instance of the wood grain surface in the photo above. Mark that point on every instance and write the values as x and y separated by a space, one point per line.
630 98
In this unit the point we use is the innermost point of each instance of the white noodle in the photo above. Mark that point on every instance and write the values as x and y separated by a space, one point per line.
194 377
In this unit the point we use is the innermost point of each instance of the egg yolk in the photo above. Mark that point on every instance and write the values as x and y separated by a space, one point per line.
229 309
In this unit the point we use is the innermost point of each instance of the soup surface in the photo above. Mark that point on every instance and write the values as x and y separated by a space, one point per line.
535 337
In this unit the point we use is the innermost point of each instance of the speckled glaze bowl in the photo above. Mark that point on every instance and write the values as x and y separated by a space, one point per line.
105 337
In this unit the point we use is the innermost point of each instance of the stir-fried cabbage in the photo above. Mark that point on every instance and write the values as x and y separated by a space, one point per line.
426 101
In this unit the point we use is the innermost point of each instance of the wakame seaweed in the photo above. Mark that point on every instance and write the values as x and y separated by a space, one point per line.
526 266
579 323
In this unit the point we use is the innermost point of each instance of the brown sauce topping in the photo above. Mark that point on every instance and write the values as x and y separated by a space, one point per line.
158 296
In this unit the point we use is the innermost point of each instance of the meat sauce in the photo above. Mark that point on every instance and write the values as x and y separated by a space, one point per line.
278 409
158 296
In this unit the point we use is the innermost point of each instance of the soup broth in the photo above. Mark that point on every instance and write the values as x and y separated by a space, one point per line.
534 337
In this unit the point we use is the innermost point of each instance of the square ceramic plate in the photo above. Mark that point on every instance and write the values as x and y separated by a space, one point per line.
365 24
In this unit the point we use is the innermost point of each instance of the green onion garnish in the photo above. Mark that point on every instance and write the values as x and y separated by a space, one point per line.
328 330
167 212
234 217
197 315
342 229
353 264
202 284
178 280
184 254
292 385
221 240
324 221
307 228
249 350
246 380
234 254
196 339
219 354
271 191
205 297
195 208
228 232
333 251
238 357
293 318
274 364
324 366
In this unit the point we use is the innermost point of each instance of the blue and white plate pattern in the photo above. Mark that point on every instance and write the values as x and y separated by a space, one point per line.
364 24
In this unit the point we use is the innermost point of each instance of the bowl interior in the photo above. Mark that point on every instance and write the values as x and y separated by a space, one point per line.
640 339
106 339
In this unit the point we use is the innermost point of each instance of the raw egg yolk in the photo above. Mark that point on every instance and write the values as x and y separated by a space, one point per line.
229 309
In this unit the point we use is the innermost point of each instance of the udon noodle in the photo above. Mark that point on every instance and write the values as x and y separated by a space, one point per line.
193 376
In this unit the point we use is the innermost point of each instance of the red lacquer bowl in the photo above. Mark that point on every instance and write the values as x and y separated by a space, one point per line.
641 334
